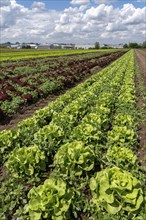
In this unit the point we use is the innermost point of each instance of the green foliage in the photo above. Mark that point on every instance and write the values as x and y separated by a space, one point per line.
12 107
92 126
114 189
50 200
99 119
97 45
43 116
49 138
12 196
122 157
65 121
134 45
26 162
25 127
144 44
125 46
122 136
87 133
124 120
8 140
73 159
79 127
50 86
23 54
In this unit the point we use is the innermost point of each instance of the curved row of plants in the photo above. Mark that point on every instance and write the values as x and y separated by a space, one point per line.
71 100
25 82
81 145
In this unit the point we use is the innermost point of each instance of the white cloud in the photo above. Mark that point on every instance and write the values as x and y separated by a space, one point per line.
4 3
140 0
132 15
37 6
80 24
101 12
79 2
10 12
104 1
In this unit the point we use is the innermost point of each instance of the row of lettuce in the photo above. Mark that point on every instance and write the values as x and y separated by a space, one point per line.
7 54
75 158
25 82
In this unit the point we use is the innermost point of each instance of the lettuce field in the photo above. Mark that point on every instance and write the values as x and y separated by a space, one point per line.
25 82
77 157
15 54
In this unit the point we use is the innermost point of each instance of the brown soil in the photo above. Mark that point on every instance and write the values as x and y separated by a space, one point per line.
27 111
141 79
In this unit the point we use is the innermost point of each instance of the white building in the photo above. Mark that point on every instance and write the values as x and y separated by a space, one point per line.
67 46
44 46
84 46
34 46
15 46
62 46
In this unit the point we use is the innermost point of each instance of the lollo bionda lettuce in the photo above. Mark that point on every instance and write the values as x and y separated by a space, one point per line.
73 159
50 200
114 189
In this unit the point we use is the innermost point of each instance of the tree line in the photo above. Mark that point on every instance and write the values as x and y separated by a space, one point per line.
130 45
135 45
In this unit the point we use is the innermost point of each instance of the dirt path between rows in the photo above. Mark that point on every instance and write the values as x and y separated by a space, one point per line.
141 79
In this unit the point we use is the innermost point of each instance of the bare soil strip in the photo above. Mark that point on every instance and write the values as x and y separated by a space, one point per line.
141 79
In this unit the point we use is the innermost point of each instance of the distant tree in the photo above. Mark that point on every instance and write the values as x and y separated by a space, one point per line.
17 42
8 43
134 45
26 46
106 46
125 46
97 45
144 44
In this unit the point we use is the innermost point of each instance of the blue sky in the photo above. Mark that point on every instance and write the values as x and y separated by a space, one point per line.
73 21
137 4
50 4
61 4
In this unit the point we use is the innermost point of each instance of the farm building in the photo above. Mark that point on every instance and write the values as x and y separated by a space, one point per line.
85 46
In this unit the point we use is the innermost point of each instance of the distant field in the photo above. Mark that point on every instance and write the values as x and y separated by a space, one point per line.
27 80
14 54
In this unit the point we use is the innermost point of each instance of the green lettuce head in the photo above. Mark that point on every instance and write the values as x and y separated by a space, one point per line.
74 158
122 157
115 189
50 200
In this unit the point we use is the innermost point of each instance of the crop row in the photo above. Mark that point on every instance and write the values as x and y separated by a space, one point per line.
82 146
23 54
43 117
21 85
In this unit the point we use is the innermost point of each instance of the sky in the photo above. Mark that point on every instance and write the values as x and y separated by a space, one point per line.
73 21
